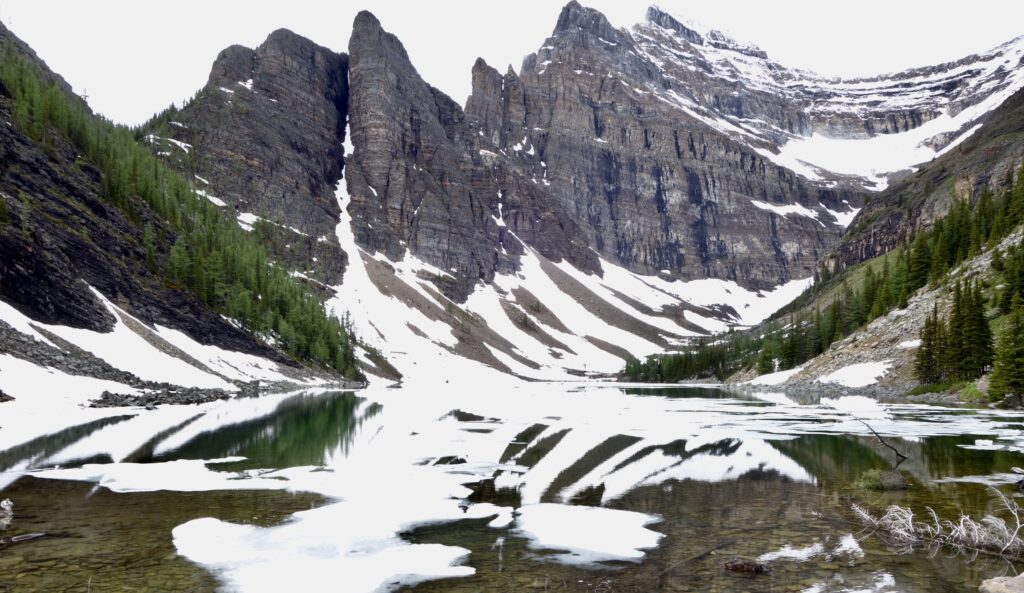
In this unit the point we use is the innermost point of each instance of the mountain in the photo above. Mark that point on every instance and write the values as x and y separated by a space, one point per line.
867 131
988 159
265 136
115 277
622 193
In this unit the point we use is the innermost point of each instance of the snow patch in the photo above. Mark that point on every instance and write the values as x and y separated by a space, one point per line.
858 375
775 378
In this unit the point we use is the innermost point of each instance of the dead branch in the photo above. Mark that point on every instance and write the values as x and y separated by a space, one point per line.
899 456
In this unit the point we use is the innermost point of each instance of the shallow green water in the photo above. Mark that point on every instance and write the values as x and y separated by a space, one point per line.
100 540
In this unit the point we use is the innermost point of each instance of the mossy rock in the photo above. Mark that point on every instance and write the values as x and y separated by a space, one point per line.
882 480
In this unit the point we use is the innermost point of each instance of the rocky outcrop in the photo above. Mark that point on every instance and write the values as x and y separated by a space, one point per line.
411 176
264 138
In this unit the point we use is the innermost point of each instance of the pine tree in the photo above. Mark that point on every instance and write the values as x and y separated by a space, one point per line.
981 334
920 263
769 356
954 351
940 259
177 262
944 364
870 289
925 357
149 247
1008 369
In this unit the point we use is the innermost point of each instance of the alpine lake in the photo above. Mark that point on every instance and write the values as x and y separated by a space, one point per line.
572 487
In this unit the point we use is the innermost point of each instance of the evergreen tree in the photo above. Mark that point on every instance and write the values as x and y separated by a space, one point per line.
920 263
983 341
925 366
1008 369
955 347
149 248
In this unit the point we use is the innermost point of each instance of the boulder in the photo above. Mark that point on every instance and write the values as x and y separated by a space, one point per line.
1003 585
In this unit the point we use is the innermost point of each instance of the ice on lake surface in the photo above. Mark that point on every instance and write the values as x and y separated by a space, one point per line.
582 487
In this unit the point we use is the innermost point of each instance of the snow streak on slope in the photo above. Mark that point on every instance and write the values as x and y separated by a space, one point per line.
534 323
47 399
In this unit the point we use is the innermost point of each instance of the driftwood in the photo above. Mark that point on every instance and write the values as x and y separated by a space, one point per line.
991 535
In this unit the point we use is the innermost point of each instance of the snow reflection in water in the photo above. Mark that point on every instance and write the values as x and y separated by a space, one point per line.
422 486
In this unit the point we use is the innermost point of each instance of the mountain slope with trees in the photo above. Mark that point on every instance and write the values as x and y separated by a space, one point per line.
81 198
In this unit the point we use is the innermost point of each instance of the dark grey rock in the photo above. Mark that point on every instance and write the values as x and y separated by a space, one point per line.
266 137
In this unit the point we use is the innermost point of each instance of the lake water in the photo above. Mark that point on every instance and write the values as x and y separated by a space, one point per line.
498 488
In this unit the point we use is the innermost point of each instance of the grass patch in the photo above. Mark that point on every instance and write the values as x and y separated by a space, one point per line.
939 387
971 393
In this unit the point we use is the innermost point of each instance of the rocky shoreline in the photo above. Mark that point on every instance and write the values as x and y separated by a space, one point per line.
175 395
72 360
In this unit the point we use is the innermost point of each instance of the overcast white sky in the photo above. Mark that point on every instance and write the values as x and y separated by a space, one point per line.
133 58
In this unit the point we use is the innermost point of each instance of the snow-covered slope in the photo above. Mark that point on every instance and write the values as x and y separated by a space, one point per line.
547 321
825 128
54 371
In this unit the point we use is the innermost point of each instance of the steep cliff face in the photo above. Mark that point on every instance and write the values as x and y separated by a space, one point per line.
652 185
572 161
411 174
263 139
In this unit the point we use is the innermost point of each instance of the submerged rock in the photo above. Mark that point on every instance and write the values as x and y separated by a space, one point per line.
741 566
885 480
589 496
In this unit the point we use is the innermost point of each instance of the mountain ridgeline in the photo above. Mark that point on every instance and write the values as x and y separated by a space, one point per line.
561 158
623 192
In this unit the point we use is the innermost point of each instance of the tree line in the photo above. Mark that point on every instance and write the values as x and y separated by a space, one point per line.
709 359
205 252
957 348
865 293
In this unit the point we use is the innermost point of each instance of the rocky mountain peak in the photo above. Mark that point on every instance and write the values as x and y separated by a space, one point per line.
232 64
263 141
657 16
484 103
575 17
367 32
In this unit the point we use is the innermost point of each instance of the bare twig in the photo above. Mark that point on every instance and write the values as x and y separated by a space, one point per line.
899 456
